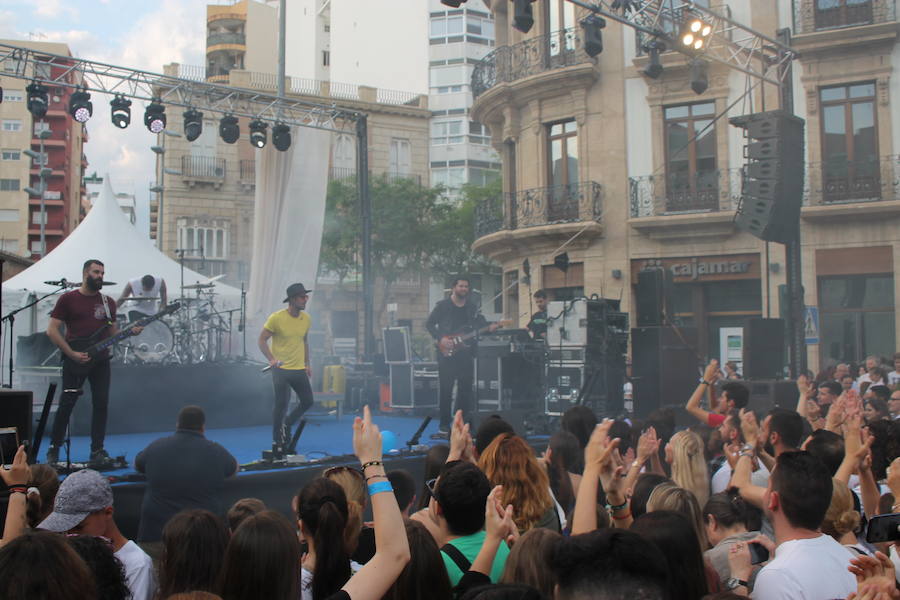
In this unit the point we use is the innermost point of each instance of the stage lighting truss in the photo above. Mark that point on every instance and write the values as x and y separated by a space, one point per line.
193 124
229 130
694 34
281 136
155 116
80 106
38 99
258 133
120 111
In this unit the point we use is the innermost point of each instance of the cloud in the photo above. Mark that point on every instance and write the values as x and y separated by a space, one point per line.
54 9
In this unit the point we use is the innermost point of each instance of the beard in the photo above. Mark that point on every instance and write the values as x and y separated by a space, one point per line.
769 448
95 284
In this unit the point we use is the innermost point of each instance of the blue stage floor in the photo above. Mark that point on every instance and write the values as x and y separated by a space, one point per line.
324 436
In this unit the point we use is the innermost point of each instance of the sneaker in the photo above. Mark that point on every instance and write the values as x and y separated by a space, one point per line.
52 455
100 458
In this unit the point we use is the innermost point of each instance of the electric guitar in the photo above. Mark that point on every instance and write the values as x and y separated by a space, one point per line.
449 344
94 348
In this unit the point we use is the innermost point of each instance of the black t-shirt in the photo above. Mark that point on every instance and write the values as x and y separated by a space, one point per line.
459 318
538 325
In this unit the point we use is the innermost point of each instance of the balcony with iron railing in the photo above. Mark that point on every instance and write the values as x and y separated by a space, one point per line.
225 37
671 206
539 54
811 16
247 170
836 188
202 168
538 211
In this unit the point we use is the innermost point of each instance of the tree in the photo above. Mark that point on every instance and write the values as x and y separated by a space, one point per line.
454 253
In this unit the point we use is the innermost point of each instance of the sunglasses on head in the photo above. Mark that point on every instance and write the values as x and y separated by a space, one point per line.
340 469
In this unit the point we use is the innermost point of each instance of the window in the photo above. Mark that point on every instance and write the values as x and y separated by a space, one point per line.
447 132
36 247
857 316
691 175
448 76
850 163
563 285
9 154
452 178
9 215
9 185
11 246
482 176
400 157
479 134
13 96
447 89
202 238
326 58
560 19
327 28
12 125
36 217
480 27
563 153
12 65
444 26
344 154
40 160
831 14
41 70
41 126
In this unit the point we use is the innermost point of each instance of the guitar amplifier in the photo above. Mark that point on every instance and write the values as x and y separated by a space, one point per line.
414 386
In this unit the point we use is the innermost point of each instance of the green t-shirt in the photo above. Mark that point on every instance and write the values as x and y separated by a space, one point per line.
470 545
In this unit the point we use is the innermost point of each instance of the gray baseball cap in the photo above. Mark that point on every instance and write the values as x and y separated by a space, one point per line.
80 494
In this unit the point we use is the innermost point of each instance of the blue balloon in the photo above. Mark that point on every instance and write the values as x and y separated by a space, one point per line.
388 441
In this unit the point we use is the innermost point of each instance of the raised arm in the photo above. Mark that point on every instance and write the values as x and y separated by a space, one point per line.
16 479
125 293
597 451
803 391
163 294
693 404
391 543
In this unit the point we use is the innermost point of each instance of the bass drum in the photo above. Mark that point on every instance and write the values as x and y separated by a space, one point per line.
154 343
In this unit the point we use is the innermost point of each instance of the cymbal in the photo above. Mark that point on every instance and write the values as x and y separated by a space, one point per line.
216 278
198 286
138 298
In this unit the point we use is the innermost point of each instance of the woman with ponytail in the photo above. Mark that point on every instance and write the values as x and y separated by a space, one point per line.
322 514
684 453
729 519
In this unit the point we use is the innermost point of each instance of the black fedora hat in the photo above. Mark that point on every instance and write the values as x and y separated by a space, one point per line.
295 289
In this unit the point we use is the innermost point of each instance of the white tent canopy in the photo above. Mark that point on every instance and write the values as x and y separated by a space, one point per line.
106 235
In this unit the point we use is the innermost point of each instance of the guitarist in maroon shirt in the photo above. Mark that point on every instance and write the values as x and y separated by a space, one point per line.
88 315
456 363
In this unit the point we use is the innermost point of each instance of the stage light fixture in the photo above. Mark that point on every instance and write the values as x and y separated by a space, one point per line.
592 29
80 106
193 124
120 111
699 75
281 136
695 34
523 16
453 3
38 100
654 67
229 130
155 116
258 133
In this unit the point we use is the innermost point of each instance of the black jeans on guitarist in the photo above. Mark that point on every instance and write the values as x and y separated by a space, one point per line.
99 377
285 380
457 368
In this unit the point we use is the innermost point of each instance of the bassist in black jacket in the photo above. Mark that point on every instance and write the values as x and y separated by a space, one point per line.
89 316
451 316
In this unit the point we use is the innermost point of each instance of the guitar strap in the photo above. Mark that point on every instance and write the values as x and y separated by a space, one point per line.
106 308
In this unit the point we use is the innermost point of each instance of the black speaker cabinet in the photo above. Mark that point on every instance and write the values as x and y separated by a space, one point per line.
664 366
764 348
16 411
651 294
507 382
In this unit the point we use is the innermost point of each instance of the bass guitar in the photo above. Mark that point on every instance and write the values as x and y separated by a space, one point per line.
451 343
94 348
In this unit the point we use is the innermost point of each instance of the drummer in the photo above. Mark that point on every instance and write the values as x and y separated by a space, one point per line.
145 295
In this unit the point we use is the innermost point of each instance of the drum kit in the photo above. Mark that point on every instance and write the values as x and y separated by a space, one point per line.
193 334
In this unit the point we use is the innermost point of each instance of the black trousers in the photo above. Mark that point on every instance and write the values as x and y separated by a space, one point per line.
99 377
458 368
285 380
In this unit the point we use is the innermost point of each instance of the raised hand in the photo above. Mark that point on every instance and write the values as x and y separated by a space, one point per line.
461 445
18 473
712 372
749 427
366 438
648 444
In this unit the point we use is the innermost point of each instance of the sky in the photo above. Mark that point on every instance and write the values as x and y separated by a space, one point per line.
139 34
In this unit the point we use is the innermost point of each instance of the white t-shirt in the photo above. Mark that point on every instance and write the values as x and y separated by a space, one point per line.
813 569
138 571
721 477
893 377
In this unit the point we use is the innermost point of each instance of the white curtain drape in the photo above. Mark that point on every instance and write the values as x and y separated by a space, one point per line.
288 218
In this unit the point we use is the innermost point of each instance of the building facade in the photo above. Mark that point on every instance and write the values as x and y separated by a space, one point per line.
62 162
623 171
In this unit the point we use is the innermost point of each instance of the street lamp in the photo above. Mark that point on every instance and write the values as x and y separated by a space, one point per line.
43 173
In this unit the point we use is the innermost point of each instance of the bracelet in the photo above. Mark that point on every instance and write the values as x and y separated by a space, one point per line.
17 489
372 463
374 476
380 486
620 517
617 507
895 507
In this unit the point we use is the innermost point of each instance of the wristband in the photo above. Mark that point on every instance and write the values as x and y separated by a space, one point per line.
372 463
620 517
617 507
380 486
374 476
17 489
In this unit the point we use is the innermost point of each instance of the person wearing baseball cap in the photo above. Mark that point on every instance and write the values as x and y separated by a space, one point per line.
84 505
289 360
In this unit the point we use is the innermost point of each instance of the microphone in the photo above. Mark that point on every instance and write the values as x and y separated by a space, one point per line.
62 282
105 283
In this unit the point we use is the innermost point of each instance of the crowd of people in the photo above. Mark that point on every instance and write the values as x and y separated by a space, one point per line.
774 505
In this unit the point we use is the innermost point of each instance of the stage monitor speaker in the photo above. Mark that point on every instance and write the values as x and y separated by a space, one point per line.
652 296
665 368
763 348
15 411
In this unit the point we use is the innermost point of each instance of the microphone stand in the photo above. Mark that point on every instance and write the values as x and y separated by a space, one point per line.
11 317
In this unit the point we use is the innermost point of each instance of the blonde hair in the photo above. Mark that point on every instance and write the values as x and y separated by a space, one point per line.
841 518
689 464
354 487
668 496
509 461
